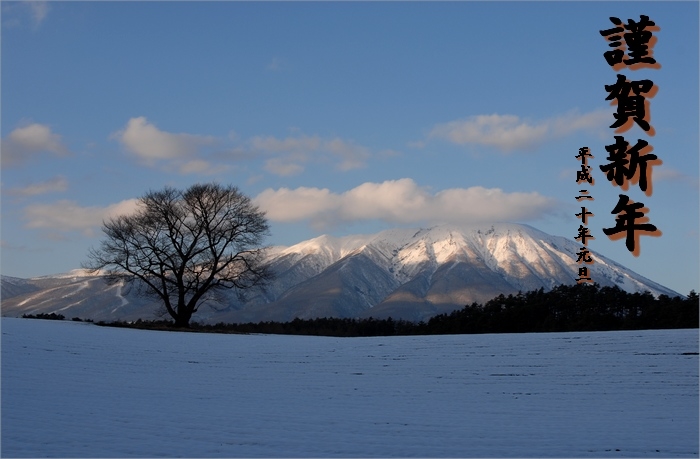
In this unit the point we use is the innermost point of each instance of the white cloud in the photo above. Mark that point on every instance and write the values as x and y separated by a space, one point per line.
65 215
54 185
282 156
402 201
293 152
506 132
399 201
151 144
510 132
285 205
24 143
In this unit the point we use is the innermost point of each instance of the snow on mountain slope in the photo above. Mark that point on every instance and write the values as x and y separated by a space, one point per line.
403 273
14 286
344 289
79 296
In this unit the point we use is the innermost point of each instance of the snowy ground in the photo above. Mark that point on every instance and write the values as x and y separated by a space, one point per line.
75 389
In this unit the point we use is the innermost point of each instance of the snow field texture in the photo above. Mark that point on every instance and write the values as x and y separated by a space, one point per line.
79 390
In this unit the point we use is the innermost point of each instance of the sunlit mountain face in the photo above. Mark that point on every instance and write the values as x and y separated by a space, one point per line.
410 274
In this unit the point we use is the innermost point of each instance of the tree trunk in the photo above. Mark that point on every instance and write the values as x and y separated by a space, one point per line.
183 316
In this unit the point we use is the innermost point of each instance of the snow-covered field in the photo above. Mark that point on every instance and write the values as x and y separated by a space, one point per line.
79 390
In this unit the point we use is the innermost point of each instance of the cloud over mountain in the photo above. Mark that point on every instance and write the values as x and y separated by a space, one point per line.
402 201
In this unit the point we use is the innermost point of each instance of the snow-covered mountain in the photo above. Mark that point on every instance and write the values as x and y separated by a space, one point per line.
401 273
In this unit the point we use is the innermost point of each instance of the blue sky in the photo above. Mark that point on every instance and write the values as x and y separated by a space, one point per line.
338 118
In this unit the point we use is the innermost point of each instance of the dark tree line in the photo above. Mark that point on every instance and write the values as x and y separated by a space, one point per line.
565 308
579 307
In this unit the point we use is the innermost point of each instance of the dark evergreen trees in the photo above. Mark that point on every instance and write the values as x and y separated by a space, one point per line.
579 307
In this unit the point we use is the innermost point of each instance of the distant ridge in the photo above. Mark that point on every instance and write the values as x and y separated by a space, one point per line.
410 274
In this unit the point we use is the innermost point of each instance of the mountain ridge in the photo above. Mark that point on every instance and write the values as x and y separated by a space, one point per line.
410 274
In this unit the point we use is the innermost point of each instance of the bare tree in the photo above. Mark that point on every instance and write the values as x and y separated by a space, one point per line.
181 246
